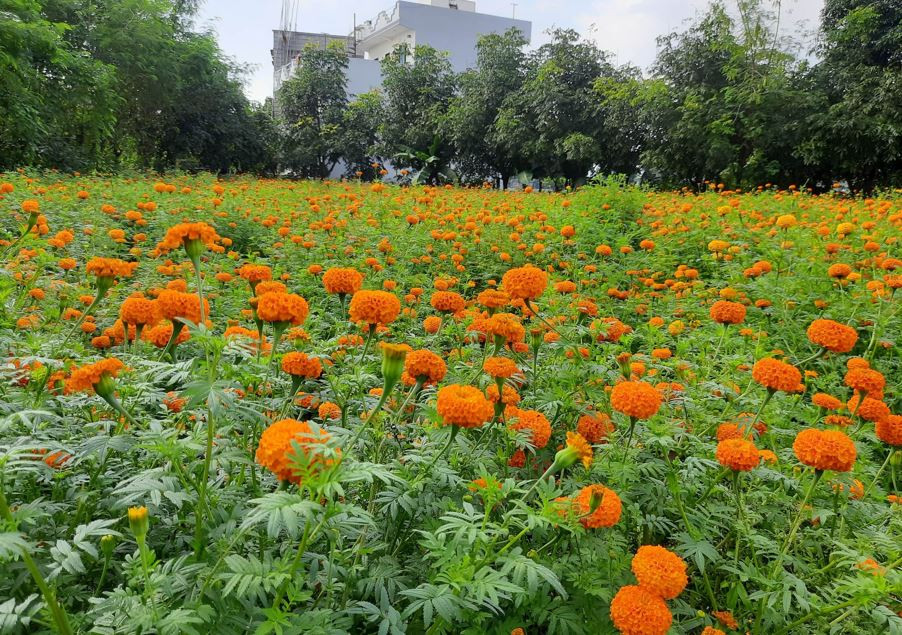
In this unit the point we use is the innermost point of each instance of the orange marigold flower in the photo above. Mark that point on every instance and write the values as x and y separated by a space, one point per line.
191 236
276 452
525 283
598 507
87 378
463 406
500 367
726 618
833 336
374 307
740 455
636 399
282 307
638 611
839 270
866 380
255 273
344 281
300 365
447 301
595 427
508 396
172 305
576 449
425 366
505 326
660 571
493 298
869 409
776 375
138 311
110 268
825 449
432 324
270 286
328 410
726 312
825 401
889 430
536 423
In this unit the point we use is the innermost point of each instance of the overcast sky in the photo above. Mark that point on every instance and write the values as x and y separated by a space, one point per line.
627 28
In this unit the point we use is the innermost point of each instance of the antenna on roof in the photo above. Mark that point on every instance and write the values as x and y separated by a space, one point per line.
514 5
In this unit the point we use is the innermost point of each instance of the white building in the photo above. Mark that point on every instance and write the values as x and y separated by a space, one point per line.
452 26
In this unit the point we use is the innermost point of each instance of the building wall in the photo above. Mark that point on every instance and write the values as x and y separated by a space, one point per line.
363 76
383 48
455 31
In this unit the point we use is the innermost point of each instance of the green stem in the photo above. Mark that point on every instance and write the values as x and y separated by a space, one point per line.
202 503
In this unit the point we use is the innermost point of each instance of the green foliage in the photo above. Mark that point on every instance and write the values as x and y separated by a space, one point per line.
113 84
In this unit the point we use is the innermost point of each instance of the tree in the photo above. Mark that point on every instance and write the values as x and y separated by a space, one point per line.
56 106
499 73
856 134
417 96
313 105
359 143
552 121
117 83
728 107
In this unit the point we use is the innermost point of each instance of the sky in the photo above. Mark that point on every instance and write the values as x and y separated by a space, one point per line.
626 28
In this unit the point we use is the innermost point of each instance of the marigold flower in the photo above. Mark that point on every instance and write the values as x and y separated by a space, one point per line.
424 366
110 268
138 311
276 452
598 507
508 396
726 312
595 427
825 401
576 449
89 377
869 409
638 611
493 299
636 399
825 449
300 365
505 326
865 380
255 274
726 618
740 455
833 336
660 571
500 367
524 283
447 302
776 375
328 410
889 430
282 308
463 406
344 281
173 305
710 630
432 324
536 423
192 236
374 307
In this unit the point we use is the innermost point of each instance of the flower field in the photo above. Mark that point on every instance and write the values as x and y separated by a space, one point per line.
250 406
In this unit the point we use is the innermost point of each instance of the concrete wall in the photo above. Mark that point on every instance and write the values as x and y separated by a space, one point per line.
455 31
363 76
